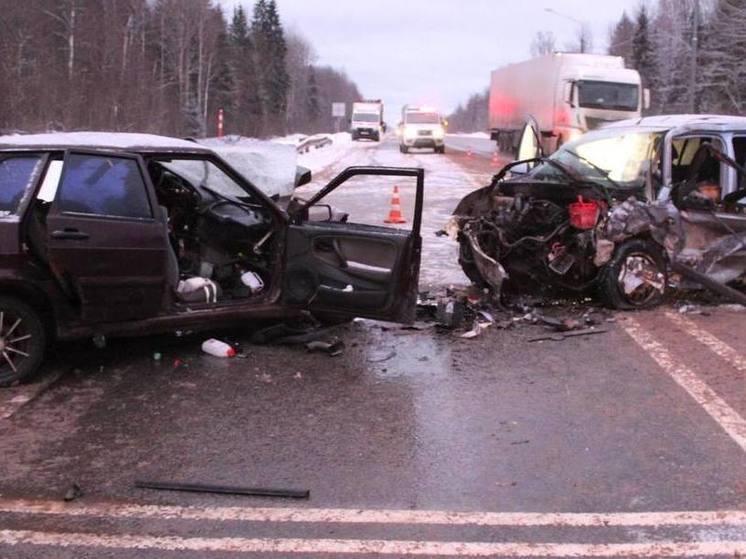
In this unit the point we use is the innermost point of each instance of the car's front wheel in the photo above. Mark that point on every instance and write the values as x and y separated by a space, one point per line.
23 341
636 277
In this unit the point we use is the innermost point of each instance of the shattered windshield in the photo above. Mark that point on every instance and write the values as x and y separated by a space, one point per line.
204 173
620 158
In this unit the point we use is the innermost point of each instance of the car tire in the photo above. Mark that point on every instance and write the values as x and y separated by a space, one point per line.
404 149
634 253
22 353
441 150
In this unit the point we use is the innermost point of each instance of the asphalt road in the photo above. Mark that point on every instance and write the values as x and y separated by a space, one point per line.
631 443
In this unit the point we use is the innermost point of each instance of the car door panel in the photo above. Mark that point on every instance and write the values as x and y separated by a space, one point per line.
114 266
354 269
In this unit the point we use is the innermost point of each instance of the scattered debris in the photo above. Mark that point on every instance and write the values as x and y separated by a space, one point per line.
333 348
216 348
450 313
73 492
382 358
558 337
224 490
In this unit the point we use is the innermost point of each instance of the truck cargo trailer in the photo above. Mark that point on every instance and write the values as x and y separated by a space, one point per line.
567 95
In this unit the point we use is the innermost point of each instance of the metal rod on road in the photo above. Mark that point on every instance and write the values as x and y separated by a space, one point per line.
224 490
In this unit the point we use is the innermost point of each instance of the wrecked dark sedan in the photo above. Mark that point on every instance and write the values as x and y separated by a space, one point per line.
124 234
624 212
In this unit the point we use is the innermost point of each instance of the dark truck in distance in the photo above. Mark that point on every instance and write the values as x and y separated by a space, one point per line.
127 234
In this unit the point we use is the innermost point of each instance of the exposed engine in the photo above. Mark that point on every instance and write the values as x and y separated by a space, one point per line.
536 241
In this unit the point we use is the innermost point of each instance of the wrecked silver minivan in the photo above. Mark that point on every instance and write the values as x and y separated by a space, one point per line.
624 212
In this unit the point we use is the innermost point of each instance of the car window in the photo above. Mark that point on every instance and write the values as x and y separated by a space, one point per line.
17 174
682 157
103 185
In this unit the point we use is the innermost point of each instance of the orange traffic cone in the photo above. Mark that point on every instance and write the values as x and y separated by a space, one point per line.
395 215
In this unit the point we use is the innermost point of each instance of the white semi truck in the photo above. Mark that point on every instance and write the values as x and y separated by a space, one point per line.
566 94
367 120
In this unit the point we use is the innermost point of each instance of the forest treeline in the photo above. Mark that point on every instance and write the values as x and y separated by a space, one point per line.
690 54
161 66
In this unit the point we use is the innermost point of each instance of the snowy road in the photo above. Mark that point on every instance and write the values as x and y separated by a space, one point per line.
478 144
368 200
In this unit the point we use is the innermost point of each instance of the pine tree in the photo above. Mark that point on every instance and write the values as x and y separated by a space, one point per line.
248 115
313 104
271 51
622 36
643 59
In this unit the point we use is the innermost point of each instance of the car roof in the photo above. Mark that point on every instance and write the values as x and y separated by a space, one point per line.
719 123
115 141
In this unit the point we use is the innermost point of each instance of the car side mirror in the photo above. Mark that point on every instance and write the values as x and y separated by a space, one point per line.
320 212
302 176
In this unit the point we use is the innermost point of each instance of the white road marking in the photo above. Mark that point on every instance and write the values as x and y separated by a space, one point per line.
368 516
731 422
380 547
719 347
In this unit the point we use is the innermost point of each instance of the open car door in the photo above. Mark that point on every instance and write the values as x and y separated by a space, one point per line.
348 269
529 145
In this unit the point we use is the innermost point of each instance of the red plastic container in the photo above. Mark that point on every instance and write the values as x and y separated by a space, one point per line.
583 215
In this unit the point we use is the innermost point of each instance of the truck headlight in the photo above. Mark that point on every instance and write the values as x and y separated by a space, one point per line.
439 133
410 133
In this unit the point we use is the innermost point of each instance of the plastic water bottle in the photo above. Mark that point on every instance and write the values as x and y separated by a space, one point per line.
217 348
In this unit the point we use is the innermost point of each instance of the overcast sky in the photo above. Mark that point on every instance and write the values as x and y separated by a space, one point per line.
434 52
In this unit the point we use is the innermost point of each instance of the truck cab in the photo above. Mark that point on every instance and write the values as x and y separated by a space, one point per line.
422 127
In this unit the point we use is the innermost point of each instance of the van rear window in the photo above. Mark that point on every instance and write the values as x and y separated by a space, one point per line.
17 174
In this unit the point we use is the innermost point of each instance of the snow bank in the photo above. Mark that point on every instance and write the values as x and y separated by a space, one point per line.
270 166
318 159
